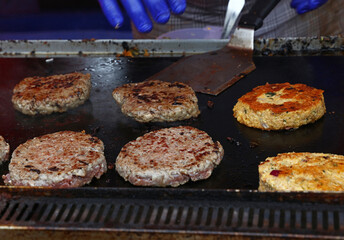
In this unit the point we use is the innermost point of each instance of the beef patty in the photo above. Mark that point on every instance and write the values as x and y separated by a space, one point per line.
169 157
280 106
4 150
157 101
61 159
302 171
57 93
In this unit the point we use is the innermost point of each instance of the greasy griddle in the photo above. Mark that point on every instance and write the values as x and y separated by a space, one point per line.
244 147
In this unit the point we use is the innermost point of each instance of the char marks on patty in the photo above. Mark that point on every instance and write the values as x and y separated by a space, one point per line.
157 101
61 159
169 157
57 93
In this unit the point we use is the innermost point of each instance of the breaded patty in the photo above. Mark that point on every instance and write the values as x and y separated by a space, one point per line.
157 101
4 150
302 171
57 93
61 159
169 157
280 106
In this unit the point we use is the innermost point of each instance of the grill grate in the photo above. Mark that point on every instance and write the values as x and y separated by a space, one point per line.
221 216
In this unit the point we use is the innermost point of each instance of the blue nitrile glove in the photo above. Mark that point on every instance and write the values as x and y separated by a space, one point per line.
303 6
136 9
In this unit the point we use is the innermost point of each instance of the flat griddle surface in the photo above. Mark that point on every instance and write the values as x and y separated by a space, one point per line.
101 116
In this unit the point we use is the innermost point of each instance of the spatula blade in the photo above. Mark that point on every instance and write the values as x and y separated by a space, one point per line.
210 72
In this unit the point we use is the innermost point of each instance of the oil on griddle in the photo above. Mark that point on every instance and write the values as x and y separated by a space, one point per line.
244 147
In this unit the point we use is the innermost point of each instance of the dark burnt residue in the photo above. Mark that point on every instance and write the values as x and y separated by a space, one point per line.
148 84
94 140
53 169
178 85
233 141
286 48
176 103
210 104
253 144
125 46
144 98
95 130
83 162
111 166
35 170
178 98
324 45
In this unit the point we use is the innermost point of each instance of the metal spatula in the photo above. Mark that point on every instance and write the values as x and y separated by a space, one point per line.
215 71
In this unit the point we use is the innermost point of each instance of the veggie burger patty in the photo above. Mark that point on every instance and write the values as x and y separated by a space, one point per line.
280 106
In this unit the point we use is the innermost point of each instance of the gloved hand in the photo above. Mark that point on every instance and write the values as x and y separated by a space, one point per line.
303 6
136 9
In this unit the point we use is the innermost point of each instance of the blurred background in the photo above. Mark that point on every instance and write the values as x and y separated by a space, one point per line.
59 19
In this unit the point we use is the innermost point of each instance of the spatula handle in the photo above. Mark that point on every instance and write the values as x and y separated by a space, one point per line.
255 17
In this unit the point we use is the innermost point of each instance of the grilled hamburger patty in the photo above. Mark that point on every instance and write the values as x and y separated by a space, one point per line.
169 157
57 93
280 106
61 159
157 101
4 150
302 171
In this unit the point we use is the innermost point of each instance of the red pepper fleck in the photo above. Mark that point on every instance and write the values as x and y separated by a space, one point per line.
210 104
275 172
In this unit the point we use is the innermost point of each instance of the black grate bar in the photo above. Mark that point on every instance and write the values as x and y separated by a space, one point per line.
10 211
277 218
117 214
130 214
341 221
168 216
287 217
103 213
330 221
245 217
192 216
154 215
60 213
233 217
266 219
20 212
141 219
66 216
124 212
13 211
163 216
75 213
3 208
319 220
58 210
47 212
84 213
297 219
41 210
174 215
309 217
31 211
184 215
90 212
204 216
255 218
